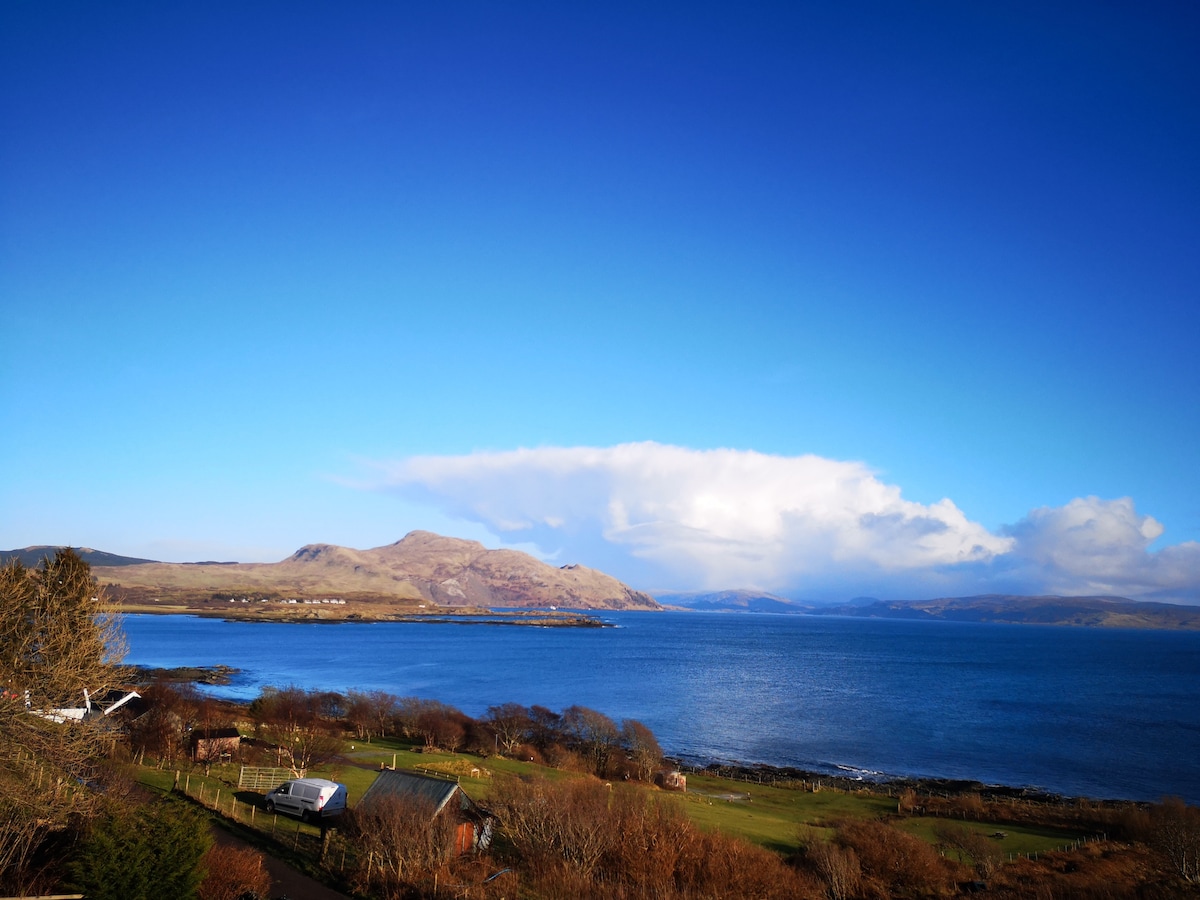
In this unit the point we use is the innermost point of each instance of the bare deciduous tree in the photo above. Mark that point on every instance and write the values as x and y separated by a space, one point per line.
511 724
1175 831
548 822
593 734
160 732
58 638
290 719
641 745
358 715
977 847
545 726
578 838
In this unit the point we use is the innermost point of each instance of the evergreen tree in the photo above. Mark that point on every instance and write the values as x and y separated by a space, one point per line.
148 853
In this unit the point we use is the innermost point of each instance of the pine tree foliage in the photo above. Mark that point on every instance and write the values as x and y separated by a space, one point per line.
148 853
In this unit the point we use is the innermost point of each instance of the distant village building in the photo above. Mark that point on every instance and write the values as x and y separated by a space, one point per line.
671 780
473 825
215 744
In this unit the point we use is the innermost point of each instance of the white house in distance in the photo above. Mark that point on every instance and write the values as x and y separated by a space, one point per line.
104 706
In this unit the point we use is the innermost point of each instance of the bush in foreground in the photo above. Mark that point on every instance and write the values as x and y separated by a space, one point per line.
234 873
583 838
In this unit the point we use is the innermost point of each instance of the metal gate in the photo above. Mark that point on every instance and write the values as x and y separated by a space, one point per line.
263 778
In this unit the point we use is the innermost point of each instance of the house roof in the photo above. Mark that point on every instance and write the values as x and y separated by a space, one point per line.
212 734
437 791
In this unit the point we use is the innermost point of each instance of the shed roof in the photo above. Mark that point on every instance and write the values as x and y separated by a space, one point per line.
437 791
209 734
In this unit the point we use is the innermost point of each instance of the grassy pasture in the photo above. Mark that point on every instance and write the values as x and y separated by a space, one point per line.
1018 839
769 816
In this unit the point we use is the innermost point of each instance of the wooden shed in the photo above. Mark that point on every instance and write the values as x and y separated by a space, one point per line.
215 744
473 825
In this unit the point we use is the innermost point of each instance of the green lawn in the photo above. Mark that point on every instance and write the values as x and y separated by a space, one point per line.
765 815
772 816
1018 839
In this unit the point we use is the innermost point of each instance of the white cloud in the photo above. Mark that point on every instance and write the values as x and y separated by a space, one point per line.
661 516
1098 546
700 518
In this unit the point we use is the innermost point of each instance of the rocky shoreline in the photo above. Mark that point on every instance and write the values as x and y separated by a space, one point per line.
371 613
757 773
187 674
946 787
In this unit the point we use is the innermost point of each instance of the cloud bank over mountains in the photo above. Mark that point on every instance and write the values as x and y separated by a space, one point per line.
662 516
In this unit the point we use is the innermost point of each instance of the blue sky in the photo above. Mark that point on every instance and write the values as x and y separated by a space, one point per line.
889 298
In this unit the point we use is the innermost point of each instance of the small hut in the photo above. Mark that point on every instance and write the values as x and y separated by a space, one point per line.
214 744
671 780
473 825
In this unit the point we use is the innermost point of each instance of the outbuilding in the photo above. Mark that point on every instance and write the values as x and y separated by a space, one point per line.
214 744
473 825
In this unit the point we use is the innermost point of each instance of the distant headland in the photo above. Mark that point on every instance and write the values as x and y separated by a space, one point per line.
426 577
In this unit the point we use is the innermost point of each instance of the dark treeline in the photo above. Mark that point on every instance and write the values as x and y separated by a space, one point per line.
301 729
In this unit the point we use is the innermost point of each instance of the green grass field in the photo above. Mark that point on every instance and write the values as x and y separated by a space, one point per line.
769 816
1017 839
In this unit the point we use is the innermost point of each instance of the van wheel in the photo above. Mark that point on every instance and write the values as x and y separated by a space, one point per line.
270 806
305 816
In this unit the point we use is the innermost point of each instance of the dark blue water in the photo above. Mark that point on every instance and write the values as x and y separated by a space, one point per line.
1085 712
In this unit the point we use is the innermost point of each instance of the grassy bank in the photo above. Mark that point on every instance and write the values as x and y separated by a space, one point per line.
765 815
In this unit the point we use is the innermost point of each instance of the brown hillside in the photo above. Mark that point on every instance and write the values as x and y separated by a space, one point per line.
441 570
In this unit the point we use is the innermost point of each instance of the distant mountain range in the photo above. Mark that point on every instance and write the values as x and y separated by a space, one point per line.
420 567
1110 612
730 601
32 556
449 572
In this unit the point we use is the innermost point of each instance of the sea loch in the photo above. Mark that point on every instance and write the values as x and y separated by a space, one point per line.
1091 712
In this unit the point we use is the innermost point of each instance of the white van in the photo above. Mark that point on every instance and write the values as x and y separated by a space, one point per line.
308 798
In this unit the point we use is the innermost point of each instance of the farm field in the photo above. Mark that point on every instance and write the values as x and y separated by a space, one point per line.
768 816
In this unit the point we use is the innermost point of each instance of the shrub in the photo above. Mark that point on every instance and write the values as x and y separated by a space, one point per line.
974 845
234 874
581 838
837 867
400 844
895 864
